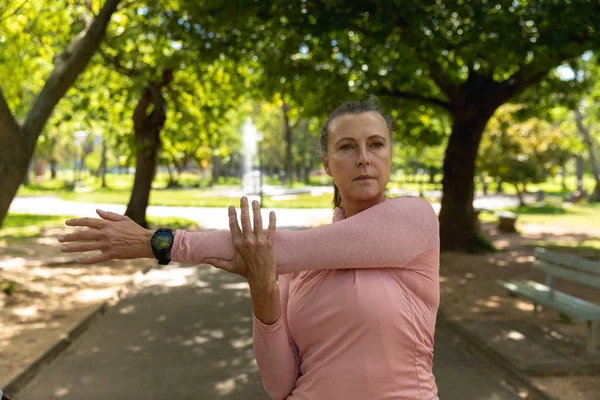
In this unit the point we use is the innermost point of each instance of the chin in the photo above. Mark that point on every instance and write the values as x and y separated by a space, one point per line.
364 196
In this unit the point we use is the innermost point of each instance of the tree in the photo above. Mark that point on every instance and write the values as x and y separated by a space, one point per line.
521 152
464 59
586 117
591 147
20 138
162 63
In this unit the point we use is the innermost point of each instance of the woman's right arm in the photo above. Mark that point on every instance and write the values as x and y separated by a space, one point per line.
275 351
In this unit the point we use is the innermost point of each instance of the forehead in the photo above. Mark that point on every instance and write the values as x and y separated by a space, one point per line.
358 125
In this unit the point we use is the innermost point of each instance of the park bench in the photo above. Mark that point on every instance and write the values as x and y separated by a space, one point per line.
570 268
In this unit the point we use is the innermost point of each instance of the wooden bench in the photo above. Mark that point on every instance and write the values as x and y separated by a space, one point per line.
570 268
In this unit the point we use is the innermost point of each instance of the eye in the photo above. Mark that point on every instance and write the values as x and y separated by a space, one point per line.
377 144
345 147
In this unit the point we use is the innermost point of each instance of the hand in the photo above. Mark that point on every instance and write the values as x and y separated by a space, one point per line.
254 254
254 259
116 236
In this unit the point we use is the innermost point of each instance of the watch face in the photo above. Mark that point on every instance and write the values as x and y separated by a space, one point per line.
162 240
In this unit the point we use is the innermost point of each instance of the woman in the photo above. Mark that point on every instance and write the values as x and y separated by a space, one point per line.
352 315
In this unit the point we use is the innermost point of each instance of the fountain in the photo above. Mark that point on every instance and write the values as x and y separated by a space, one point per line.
250 176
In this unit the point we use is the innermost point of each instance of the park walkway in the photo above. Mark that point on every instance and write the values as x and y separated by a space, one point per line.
185 332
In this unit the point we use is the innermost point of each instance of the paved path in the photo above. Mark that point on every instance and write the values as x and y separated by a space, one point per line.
185 333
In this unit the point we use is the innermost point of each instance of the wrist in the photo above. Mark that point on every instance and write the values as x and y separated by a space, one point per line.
146 240
263 285
265 302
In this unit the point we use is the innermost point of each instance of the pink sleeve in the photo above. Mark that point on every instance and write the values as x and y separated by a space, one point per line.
275 351
387 235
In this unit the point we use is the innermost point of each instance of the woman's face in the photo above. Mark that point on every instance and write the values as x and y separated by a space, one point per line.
359 156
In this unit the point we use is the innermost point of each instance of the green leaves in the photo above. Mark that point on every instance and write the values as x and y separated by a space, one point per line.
522 151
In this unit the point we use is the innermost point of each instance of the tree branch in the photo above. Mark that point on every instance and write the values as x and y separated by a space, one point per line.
524 77
440 79
4 16
127 4
9 128
115 61
415 97
68 66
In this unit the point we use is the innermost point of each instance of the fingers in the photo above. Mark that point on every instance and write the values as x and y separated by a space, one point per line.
89 222
110 216
77 247
233 223
258 227
90 234
245 217
271 231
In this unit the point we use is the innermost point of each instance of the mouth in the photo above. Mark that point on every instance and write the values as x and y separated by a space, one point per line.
364 178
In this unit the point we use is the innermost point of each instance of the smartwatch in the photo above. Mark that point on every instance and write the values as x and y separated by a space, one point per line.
161 242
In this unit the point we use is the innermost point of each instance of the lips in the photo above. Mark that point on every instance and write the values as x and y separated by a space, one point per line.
363 178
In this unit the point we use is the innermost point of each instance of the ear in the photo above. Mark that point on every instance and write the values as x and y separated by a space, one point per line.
326 165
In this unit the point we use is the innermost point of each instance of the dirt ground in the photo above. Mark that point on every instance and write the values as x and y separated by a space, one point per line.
50 300
469 291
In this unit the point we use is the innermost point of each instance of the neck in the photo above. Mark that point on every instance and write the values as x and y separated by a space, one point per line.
353 208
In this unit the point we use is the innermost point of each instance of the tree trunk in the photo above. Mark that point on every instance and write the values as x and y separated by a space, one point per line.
147 129
53 165
587 139
519 195
432 172
27 177
288 147
499 188
457 228
147 149
579 172
171 182
19 141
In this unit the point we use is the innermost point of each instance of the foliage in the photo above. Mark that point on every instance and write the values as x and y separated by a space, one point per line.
521 151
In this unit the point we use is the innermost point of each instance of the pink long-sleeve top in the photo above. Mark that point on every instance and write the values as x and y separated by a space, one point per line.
359 299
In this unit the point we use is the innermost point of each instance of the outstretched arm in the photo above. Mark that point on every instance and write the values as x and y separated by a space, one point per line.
387 235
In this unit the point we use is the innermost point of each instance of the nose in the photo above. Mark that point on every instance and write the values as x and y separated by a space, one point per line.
363 158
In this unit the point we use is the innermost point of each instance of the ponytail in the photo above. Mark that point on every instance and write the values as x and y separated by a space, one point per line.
337 199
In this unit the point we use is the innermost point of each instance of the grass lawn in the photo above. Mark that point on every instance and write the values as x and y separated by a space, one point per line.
119 187
577 216
305 200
